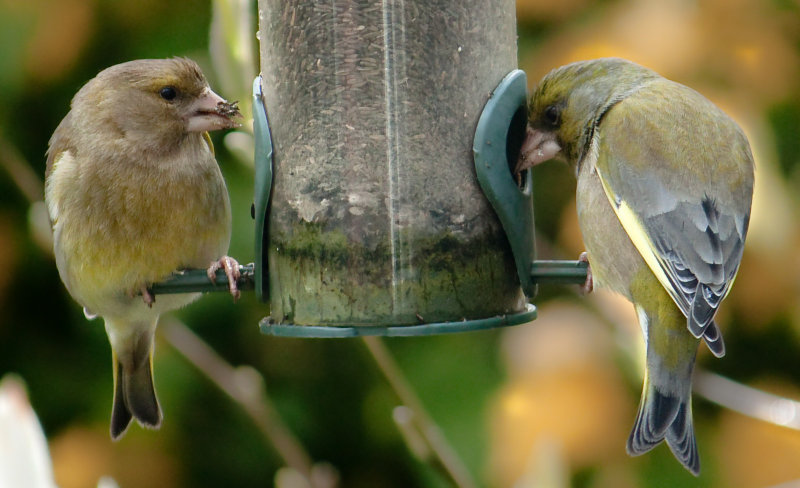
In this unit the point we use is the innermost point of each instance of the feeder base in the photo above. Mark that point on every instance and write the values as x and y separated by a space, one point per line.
335 332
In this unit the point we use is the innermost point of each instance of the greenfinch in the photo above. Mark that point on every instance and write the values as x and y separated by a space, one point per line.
134 194
665 185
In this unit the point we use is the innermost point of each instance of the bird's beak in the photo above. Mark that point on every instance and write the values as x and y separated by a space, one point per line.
537 147
211 112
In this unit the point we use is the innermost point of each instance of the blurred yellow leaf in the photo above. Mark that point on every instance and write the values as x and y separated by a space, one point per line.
757 454
82 456
564 392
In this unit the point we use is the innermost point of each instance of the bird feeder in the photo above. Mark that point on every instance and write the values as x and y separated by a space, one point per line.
386 135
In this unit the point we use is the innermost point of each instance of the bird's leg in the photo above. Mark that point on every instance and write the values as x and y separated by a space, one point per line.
231 268
147 297
587 285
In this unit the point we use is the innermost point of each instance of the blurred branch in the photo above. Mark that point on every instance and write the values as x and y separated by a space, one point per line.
32 188
245 386
20 171
747 400
438 452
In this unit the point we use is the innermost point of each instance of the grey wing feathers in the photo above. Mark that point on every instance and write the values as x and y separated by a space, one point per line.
688 223
699 247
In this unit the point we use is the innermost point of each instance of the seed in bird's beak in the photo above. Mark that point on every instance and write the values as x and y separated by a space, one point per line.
538 146
211 112
228 109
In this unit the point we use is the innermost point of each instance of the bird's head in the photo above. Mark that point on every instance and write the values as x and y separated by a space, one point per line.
155 101
568 103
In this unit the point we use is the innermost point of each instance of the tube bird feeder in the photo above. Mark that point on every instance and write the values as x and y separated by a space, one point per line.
376 217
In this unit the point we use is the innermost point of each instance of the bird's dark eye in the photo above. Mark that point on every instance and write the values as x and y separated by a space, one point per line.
552 115
168 93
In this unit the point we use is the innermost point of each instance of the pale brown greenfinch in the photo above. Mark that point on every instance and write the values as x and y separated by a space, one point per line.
665 184
134 194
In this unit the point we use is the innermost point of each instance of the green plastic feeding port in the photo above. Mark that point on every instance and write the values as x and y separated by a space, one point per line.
262 163
497 143
498 139
375 222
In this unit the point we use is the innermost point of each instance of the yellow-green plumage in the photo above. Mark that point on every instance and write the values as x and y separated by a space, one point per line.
665 182
134 194
671 349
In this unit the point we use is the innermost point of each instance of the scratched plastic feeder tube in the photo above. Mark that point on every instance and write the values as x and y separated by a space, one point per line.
376 217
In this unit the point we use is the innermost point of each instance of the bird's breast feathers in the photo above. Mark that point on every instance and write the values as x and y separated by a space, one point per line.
120 226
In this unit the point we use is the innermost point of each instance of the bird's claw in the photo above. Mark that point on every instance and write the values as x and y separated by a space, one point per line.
147 296
231 268
587 285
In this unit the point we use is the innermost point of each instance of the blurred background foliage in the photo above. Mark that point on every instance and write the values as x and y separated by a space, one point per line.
548 404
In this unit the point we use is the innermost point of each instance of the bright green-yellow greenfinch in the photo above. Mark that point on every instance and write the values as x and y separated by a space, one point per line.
134 194
665 184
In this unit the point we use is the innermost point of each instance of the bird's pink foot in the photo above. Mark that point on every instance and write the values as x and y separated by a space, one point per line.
588 285
231 268
147 297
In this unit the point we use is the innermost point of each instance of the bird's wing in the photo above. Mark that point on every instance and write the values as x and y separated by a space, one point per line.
59 142
60 158
207 139
690 233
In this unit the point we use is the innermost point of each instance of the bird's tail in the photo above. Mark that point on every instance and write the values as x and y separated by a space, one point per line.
134 392
665 409
665 417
